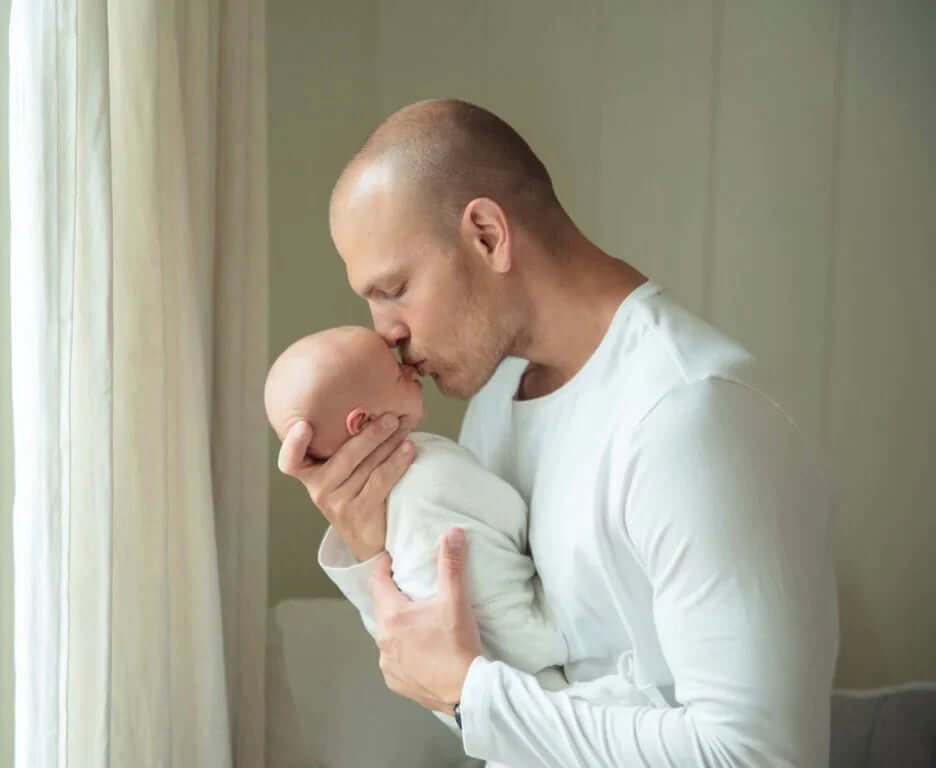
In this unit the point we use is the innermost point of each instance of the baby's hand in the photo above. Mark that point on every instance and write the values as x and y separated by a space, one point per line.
351 487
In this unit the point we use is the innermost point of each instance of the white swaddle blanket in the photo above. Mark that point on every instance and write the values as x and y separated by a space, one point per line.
445 488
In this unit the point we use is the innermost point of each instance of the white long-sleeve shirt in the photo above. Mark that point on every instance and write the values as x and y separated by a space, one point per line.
681 530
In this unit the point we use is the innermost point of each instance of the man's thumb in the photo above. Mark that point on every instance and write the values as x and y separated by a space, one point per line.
453 560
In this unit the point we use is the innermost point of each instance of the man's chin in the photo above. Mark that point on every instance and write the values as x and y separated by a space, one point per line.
453 389
441 385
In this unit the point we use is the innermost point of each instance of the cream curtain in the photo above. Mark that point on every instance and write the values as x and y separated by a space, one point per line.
138 317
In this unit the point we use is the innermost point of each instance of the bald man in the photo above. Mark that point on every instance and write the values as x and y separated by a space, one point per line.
678 521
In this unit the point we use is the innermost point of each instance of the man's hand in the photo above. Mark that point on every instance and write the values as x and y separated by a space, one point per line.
426 647
351 488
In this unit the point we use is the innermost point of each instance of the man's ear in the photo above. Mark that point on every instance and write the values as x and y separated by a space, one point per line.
484 227
356 421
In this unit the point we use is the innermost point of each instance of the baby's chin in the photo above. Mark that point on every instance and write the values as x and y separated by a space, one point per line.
410 421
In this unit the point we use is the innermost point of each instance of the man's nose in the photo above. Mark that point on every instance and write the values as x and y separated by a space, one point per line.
393 332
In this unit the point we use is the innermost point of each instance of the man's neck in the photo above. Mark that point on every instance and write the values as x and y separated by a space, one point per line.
573 303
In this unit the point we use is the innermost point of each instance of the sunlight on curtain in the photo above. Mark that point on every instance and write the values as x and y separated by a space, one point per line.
138 277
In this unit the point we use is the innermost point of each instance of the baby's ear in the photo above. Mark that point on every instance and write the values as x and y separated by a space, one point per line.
356 421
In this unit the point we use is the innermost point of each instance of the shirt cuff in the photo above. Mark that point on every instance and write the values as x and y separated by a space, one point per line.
475 708
349 575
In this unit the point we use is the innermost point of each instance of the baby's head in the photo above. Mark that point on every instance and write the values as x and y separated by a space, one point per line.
338 381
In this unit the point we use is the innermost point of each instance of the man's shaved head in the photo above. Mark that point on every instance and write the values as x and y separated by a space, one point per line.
449 152
441 219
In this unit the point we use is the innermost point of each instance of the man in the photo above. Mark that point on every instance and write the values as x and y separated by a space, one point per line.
678 523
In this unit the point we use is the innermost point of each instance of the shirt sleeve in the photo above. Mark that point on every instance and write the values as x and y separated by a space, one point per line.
349 575
730 521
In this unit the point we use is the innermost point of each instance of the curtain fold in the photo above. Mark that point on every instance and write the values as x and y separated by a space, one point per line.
138 317
239 434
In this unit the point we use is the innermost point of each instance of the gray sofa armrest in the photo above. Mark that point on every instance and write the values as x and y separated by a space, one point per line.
884 727
328 706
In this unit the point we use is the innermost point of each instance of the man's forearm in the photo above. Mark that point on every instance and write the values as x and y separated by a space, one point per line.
508 718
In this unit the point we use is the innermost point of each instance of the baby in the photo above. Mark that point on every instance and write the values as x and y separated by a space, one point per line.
341 379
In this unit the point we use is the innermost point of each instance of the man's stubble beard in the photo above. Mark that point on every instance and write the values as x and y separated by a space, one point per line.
489 332
489 342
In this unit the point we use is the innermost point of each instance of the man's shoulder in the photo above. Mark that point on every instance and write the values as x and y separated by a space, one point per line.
662 353
678 346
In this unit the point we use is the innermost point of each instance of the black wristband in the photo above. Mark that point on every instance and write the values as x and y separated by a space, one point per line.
457 712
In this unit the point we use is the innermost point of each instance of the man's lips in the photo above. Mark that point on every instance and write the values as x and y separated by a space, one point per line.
419 367
412 371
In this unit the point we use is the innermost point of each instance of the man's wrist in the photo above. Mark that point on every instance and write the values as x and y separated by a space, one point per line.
465 663
362 548
364 552
475 708
455 708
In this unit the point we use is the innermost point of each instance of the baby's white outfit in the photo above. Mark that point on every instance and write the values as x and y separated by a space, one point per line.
445 488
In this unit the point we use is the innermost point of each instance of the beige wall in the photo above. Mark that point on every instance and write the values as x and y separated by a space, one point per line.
769 163
321 96
323 103
6 420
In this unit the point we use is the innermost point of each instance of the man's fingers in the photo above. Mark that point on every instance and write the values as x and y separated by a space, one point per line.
379 481
323 479
292 454
389 451
453 561
383 568
342 466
